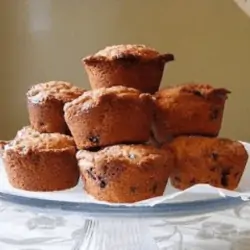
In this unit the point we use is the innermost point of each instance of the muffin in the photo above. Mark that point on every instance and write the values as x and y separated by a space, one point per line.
189 109
125 173
109 116
45 103
134 66
41 162
216 161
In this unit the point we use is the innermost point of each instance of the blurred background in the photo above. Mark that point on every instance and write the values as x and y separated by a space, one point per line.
45 40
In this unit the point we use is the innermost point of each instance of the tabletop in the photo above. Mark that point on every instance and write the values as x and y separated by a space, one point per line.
29 228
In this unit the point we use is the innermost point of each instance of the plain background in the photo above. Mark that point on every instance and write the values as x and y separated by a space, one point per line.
43 40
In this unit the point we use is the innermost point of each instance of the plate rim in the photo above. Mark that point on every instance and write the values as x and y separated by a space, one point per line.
178 209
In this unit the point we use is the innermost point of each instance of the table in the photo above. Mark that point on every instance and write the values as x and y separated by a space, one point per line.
29 228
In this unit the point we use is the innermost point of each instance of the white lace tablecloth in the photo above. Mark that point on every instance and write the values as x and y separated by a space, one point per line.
26 228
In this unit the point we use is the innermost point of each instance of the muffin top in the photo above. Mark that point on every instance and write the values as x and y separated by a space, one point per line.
212 147
27 139
138 155
59 90
205 91
26 131
94 97
129 51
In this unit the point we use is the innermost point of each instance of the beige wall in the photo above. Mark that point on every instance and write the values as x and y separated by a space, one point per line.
45 39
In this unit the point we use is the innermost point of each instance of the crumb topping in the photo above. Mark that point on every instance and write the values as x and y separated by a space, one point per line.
26 131
95 95
200 90
128 49
62 91
134 154
28 139
211 148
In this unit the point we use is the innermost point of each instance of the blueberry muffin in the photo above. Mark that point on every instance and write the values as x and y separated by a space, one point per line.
109 116
135 66
189 109
125 173
216 161
45 103
41 162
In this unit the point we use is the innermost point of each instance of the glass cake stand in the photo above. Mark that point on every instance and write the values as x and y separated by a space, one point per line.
79 226
108 211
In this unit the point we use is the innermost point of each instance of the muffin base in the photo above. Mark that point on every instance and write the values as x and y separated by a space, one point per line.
144 76
41 171
119 193
47 117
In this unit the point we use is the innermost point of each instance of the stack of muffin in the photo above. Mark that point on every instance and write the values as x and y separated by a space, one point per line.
124 137
188 118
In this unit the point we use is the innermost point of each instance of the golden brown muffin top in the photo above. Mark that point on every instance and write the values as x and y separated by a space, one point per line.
93 97
131 49
139 155
211 146
199 90
130 52
59 90
26 131
28 139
